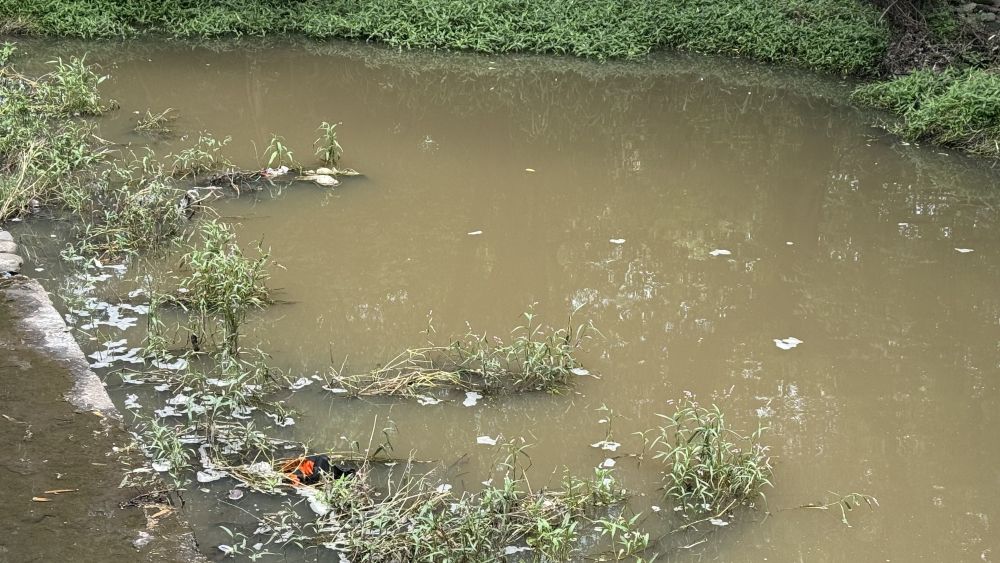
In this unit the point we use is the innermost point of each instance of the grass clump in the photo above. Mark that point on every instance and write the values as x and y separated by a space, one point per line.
43 141
223 282
534 359
845 36
954 108
710 469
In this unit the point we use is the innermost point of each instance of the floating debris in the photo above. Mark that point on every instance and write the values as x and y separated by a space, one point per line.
617 241
720 252
425 400
787 343
606 445
487 441
474 233
579 371
964 250
161 465
235 494
443 488
471 398
209 475
608 463
300 383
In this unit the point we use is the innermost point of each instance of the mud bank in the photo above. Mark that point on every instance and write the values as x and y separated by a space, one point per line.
58 431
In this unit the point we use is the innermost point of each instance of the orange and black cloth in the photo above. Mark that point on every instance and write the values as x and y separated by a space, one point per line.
308 470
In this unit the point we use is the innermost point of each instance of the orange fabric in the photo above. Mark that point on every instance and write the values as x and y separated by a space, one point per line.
298 466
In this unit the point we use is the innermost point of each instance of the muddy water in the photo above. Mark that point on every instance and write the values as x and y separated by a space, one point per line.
613 191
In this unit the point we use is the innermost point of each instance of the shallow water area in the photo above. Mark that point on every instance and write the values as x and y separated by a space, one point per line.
734 232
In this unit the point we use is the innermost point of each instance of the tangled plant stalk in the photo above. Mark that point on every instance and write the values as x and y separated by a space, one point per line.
534 359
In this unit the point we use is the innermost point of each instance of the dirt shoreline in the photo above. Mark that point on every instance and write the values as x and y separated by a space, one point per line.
60 475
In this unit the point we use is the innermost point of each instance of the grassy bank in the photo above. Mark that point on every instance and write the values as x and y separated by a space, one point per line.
845 36
946 84
954 108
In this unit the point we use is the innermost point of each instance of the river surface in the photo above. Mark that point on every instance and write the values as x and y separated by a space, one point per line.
695 210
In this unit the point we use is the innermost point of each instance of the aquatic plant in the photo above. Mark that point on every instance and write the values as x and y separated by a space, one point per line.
956 108
157 123
162 444
42 141
708 468
223 282
536 358
328 149
278 153
120 219
204 156
833 35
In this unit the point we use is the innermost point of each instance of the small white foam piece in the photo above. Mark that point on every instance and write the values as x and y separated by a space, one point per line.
515 549
655 508
162 387
608 463
443 488
474 233
300 383
789 243
486 441
606 445
161 465
617 241
720 252
579 371
787 343
132 401
471 398
425 400
718 522
964 250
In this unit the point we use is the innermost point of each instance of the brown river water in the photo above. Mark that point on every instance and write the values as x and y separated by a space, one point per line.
694 209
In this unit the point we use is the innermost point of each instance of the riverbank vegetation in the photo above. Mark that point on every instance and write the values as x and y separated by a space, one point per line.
943 65
844 36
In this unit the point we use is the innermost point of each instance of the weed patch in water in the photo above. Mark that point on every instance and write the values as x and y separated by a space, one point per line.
223 283
156 123
535 358
708 468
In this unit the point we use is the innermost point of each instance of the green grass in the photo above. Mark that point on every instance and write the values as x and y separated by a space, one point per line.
845 36
43 140
955 108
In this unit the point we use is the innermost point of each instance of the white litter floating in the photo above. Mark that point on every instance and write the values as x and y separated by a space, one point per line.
617 241
471 398
720 252
787 343
161 465
300 383
209 475
579 371
425 400
474 233
606 445
515 549
608 463
964 250
443 488
486 440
